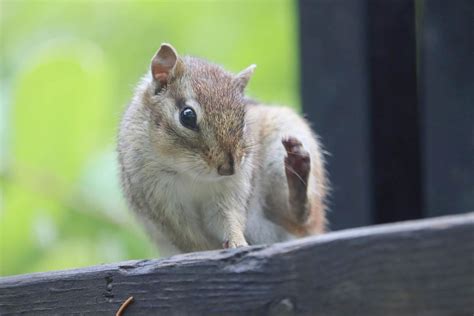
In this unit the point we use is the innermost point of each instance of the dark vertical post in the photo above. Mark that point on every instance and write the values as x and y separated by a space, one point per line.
447 97
394 113
359 87
335 94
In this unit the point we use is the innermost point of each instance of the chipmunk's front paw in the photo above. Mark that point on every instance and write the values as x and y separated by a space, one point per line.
297 163
235 243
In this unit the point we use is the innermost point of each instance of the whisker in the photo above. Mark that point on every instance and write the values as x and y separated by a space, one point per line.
294 172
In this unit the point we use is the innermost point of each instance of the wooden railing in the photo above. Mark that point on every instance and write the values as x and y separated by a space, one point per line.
423 267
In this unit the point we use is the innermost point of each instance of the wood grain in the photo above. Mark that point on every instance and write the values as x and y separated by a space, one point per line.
421 267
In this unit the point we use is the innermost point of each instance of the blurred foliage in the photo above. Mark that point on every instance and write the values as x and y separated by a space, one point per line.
67 70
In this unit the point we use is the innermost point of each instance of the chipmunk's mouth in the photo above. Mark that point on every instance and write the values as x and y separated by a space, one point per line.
209 174
221 173
227 166
226 169
210 171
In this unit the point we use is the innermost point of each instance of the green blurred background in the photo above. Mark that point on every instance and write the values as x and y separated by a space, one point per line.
68 69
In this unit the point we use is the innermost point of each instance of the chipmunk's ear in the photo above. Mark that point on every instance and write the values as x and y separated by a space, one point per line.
164 64
243 77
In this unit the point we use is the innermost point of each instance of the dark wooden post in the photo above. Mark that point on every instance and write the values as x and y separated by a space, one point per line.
359 88
394 113
447 99
336 95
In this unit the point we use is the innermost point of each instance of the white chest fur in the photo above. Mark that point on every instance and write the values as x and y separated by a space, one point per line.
189 210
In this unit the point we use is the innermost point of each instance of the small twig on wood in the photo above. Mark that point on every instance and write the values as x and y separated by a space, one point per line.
124 306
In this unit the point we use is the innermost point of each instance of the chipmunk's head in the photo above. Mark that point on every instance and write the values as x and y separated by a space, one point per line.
198 111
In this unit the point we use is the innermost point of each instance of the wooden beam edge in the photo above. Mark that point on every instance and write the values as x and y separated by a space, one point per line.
141 266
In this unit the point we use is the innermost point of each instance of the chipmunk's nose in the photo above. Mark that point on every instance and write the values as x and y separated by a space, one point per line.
227 168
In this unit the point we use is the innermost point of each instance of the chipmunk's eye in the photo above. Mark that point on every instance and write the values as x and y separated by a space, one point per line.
188 118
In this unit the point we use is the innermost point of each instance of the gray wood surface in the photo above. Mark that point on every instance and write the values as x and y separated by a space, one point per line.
422 267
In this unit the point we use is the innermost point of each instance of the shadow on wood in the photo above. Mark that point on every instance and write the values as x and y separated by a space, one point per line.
421 267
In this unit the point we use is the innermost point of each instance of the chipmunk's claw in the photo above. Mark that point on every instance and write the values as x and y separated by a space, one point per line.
234 244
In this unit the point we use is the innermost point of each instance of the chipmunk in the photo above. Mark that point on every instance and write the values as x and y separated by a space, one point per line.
205 167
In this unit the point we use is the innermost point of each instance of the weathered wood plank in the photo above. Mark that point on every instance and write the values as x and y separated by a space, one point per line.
414 268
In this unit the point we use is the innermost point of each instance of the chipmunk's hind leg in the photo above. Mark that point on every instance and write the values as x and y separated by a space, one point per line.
297 168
